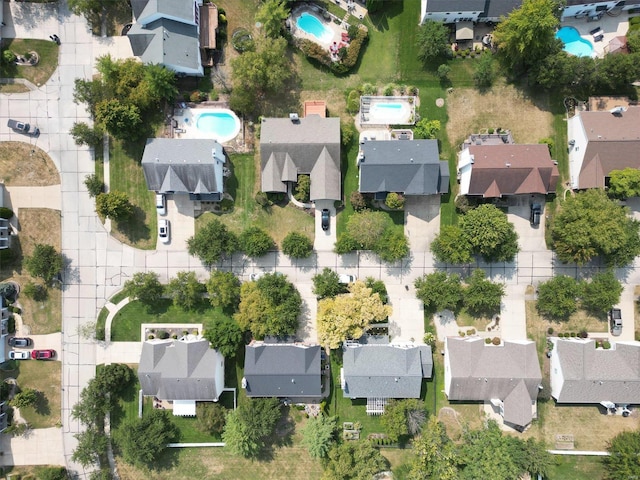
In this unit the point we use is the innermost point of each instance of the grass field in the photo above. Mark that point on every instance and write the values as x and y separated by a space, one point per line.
39 74
45 378
23 164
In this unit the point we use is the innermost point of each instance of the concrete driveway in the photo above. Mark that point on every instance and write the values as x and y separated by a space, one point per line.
42 446
530 239
180 214
422 220
325 239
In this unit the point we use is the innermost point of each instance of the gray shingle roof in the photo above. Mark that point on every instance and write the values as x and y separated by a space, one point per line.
177 370
309 146
484 372
499 8
439 6
181 10
593 376
191 166
283 370
412 167
385 371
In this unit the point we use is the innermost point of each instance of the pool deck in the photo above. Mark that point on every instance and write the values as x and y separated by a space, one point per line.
181 124
337 30
611 27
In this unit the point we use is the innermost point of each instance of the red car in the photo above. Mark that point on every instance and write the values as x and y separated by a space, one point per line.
43 354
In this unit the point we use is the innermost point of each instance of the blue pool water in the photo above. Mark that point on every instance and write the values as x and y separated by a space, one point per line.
315 27
223 125
573 43
389 105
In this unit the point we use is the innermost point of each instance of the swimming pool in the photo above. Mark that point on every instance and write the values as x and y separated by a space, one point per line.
219 124
313 26
390 113
574 43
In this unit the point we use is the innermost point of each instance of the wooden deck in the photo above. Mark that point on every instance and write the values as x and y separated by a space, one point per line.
208 26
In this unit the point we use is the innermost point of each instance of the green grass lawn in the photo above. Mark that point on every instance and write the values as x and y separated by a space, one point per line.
43 376
569 467
39 74
126 324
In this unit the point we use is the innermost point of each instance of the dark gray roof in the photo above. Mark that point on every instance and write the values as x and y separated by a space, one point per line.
191 166
385 371
583 2
498 8
439 6
593 376
485 372
412 167
283 370
308 146
177 370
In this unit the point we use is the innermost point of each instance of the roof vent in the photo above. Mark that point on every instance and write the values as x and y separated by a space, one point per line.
507 164
617 110
294 117
572 142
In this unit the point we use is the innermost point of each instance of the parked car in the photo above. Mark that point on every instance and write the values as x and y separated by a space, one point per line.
615 320
164 232
161 204
325 219
536 212
19 355
20 342
347 278
23 127
43 354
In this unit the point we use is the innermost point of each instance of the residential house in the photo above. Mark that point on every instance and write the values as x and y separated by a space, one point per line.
294 146
4 328
600 142
582 373
193 167
377 370
593 11
461 11
285 370
507 375
182 372
494 171
410 167
166 32
5 227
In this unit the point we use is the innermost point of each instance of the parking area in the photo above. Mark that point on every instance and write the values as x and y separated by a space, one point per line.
422 220
325 239
180 214
52 341
530 238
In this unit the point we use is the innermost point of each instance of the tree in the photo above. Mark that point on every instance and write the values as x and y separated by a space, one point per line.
602 292
489 233
25 398
94 185
142 440
633 40
212 242
436 454
211 417
623 460
255 241
35 291
145 287
160 82
225 336
482 296
354 461
377 286
319 435
527 35
91 9
185 290
392 246
238 437
45 262
269 306
303 188
484 74
224 290
591 225
113 379
486 454
439 291
366 228
327 284
119 119
272 14
83 134
427 128
297 245
451 246
250 426
403 418
347 316
92 443
432 41
358 201
624 183
557 297
443 72
616 72
114 205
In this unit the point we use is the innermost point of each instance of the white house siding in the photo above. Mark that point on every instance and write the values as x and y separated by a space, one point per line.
586 9
557 377
576 132
447 370
465 165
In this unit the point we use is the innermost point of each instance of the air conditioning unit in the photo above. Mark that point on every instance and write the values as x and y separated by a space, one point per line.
294 117
617 110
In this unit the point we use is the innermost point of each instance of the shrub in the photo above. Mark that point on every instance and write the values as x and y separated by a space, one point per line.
550 331
357 201
8 56
347 132
369 89
262 199
413 91
487 341
549 142
35 291
388 90
462 204
315 51
297 245
461 333
443 71
353 101
491 130
353 31
353 52
606 345
151 336
6 213
471 331
197 96
573 334
394 200
303 188
11 324
495 340
163 334
94 185
583 334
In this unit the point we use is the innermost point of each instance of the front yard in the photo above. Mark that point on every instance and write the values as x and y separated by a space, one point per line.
38 75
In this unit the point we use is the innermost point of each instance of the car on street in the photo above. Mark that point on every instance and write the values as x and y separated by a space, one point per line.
23 127
161 204
20 342
164 232
615 320
534 216
19 355
43 354
325 219
347 278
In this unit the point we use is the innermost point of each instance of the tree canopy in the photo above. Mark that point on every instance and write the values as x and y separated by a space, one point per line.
601 293
114 205
249 428
145 287
225 335
272 14
432 41
439 291
45 262
623 460
490 234
255 242
557 298
212 242
354 461
482 296
436 455
403 418
297 245
223 289
327 284
451 246
185 290
624 183
319 435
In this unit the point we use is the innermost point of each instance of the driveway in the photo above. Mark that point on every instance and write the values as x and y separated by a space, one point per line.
406 323
422 220
180 214
42 446
325 239
530 239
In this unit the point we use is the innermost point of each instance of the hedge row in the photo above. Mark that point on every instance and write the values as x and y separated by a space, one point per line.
321 54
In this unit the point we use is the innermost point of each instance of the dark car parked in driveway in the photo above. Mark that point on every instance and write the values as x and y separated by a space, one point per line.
534 217
325 219
20 342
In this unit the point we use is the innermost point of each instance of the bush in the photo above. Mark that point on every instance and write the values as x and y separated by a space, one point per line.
461 333
550 331
6 213
315 51
369 89
495 341
34 291
262 199
94 185
443 71
347 132
462 204
353 52
549 142
11 324
572 334
8 56
353 102
583 334
353 31
297 245
606 345
197 96
394 200
303 188
358 201
163 334
388 90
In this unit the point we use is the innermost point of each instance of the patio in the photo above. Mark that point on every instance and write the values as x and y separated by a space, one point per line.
610 28
339 37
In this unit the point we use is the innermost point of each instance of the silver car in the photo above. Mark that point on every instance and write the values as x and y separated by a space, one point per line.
615 319
164 232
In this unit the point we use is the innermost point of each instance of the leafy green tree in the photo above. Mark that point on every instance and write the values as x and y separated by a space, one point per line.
427 128
272 14
403 418
482 296
83 134
160 82
185 290
113 379
303 188
622 461
377 286
527 35
212 242
354 461
561 70
617 72
633 40
239 438
591 225
484 74
439 291
25 398
358 201
319 435
120 120
392 246
94 185
602 292
225 335
211 417
114 205
142 440
35 291
250 427
366 228
327 284
45 262
451 246
443 71
91 10
297 245
485 454
490 234
255 242
534 459
224 289
432 41
436 456
624 183
145 287
557 297
92 443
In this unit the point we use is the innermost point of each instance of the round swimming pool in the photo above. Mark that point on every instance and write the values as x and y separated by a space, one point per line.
222 125
574 43
313 26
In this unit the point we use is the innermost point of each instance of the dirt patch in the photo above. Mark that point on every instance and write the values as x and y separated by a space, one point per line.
22 164
449 417
502 107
